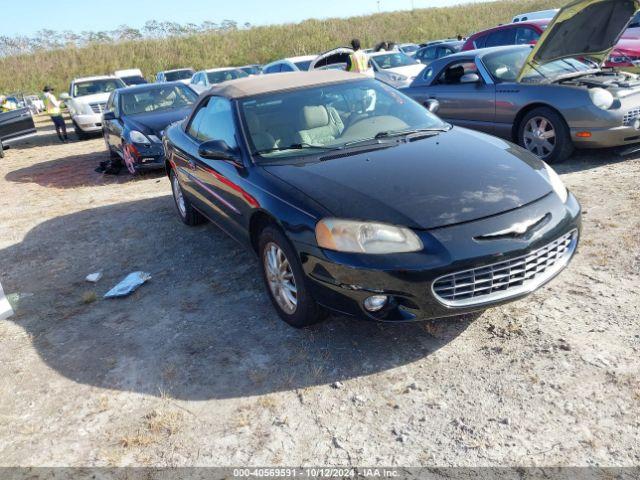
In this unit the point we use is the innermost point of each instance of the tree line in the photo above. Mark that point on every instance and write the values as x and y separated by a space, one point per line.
47 39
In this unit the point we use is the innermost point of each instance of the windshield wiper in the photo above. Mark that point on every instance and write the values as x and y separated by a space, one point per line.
295 146
412 131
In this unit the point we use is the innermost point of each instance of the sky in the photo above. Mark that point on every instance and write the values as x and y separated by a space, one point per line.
28 16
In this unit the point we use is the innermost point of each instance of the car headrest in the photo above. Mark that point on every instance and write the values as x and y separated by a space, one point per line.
314 117
253 123
454 74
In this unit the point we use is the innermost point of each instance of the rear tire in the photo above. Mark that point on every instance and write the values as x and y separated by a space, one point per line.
285 280
189 215
544 133
1 150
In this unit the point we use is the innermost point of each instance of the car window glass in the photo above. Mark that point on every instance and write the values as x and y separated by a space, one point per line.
480 42
285 68
504 36
110 102
303 122
526 35
217 122
453 73
116 105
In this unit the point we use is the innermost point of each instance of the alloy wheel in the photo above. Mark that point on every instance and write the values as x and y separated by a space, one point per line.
177 194
539 137
280 278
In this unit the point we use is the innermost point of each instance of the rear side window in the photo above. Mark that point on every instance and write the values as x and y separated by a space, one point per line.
526 35
214 121
480 42
505 36
272 69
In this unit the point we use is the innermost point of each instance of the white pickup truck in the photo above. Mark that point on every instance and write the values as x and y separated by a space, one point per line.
86 101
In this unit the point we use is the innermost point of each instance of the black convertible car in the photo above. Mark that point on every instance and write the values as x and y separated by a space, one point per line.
135 118
360 201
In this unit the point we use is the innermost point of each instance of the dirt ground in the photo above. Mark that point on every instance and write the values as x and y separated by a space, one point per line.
195 368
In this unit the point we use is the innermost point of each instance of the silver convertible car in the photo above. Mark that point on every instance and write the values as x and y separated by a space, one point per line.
548 98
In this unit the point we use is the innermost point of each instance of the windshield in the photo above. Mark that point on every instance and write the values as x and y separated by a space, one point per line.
312 120
304 65
156 99
223 76
252 70
134 80
178 75
409 48
505 66
96 86
393 60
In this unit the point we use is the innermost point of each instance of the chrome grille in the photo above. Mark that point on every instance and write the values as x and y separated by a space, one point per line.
631 116
98 107
506 279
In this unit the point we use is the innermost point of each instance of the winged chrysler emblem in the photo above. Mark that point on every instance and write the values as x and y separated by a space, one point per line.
517 229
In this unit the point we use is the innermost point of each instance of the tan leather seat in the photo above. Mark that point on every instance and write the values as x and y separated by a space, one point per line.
262 140
321 125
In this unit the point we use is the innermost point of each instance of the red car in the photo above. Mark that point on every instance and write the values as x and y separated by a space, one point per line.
626 55
521 33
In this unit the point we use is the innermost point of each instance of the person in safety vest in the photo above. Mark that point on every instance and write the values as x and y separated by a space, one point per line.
53 108
6 105
358 61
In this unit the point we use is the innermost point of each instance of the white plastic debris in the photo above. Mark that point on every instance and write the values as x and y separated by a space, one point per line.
5 307
128 285
94 277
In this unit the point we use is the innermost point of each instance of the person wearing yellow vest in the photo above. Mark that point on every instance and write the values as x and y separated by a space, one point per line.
53 108
6 105
358 62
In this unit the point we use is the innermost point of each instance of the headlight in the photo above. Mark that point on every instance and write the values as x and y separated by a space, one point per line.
137 137
364 237
556 183
398 78
601 98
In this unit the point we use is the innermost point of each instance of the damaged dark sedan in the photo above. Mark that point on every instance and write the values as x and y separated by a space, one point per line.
358 200
135 118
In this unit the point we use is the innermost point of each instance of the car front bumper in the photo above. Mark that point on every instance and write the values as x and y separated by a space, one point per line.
606 137
341 282
88 123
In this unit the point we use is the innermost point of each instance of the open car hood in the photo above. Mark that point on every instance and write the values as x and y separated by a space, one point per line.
583 28
337 55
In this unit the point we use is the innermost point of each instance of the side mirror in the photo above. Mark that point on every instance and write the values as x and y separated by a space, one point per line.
64 96
109 115
216 150
432 105
470 78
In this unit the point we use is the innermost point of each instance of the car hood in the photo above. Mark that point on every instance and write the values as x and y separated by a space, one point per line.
453 177
155 122
409 71
583 28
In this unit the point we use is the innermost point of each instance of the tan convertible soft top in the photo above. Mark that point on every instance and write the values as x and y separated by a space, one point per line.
259 84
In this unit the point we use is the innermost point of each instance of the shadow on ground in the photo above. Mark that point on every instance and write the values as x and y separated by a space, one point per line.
74 171
201 328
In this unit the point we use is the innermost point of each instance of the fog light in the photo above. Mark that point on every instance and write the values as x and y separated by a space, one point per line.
375 303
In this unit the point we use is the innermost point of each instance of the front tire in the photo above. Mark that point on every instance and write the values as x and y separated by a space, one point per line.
544 133
285 280
189 215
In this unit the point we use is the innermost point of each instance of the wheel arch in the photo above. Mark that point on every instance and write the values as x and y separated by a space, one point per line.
523 111
258 221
